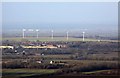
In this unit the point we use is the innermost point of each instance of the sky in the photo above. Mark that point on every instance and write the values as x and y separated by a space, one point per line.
94 16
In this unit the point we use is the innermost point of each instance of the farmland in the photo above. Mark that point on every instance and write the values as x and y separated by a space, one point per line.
74 57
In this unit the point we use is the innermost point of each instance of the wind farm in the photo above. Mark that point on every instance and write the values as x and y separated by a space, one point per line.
59 39
52 36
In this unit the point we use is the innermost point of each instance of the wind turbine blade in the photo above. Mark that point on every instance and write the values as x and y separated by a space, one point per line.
30 29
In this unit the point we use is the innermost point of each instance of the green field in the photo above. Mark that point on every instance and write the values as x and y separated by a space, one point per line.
32 73
54 39
15 73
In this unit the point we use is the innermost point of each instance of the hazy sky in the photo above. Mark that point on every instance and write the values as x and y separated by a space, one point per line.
60 15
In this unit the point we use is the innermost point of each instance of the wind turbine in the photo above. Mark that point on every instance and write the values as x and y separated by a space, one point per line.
67 33
83 36
24 33
37 32
30 30
51 34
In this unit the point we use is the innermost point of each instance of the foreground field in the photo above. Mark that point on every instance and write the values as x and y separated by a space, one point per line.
40 73
16 73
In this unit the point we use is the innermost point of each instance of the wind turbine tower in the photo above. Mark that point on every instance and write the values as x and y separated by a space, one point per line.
23 32
67 34
51 34
83 36
37 32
